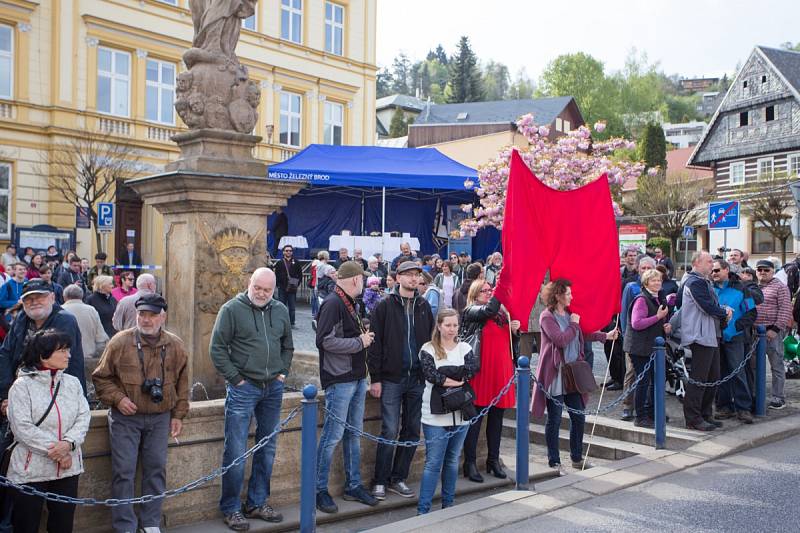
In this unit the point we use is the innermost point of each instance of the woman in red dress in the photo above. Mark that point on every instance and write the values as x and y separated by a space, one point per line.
484 316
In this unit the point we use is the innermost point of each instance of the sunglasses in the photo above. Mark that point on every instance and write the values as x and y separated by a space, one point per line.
716 270
764 269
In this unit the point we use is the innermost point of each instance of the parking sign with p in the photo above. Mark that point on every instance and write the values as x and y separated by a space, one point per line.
105 217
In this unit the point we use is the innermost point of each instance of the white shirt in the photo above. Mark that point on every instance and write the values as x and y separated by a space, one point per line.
448 287
455 357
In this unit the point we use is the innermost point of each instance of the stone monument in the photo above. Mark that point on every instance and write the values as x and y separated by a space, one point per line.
215 198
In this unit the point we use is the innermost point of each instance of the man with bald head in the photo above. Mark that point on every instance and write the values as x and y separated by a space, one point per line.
251 347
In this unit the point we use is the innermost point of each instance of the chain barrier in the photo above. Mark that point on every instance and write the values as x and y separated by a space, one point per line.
114 502
733 374
412 443
588 412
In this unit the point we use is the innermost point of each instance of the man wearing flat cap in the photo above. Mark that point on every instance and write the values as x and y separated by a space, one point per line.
775 314
143 377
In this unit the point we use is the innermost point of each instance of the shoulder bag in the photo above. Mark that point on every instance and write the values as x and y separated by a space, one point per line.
578 377
5 461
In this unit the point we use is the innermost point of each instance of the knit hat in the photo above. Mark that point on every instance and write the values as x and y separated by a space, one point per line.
350 269
373 280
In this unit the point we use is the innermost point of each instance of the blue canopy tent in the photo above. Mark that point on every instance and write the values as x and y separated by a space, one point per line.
354 187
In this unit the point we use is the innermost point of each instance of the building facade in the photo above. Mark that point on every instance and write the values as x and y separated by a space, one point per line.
110 66
755 136
685 134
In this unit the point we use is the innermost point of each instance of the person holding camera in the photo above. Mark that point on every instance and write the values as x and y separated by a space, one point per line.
289 274
143 377
447 365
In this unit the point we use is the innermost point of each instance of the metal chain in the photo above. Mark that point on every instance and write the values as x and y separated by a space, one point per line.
709 384
412 443
587 412
114 502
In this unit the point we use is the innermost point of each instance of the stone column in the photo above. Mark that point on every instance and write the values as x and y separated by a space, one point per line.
214 200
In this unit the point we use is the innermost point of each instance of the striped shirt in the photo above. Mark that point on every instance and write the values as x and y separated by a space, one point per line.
777 307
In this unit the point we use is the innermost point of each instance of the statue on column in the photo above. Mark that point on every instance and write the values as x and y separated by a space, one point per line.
216 91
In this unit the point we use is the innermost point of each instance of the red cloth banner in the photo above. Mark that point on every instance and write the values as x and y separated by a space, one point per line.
573 234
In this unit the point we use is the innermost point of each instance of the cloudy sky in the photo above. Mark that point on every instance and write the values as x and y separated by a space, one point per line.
691 38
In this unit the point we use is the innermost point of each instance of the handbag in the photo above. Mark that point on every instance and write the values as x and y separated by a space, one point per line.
578 377
452 399
474 340
5 461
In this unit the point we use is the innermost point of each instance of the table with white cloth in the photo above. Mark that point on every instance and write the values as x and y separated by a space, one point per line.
388 246
297 241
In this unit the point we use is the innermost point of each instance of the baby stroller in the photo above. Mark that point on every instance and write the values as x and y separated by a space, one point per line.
791 356
678 362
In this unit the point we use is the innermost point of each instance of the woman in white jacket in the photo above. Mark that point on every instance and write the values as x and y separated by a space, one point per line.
47 455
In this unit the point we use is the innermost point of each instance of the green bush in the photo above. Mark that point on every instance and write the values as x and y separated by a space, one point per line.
660 242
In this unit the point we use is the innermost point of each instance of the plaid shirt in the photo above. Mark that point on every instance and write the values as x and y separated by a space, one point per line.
777 307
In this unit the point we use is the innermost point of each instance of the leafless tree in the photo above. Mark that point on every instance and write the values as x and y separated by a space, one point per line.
84 170
769 203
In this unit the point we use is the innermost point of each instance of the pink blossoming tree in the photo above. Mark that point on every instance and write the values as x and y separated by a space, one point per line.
569 162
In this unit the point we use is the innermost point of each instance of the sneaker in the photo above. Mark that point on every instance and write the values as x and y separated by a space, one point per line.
777 404
360 494
264 512
627 415
646 422
401 489
580 466
379 491
745 417
152 529
314 325
557 469
236 521
325 503
724 414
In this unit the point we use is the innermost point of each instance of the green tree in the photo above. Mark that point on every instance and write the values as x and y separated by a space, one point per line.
465 77
653 147
398 127
441 55
401 74
496 81
383 83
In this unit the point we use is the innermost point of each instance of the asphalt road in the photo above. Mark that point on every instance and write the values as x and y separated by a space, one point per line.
753 491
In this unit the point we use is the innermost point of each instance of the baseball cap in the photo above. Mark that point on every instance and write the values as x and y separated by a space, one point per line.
350 269
35 286
408 266
154 303
764 263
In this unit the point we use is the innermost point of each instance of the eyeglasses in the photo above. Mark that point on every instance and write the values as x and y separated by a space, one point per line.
764 269
486 291
716 270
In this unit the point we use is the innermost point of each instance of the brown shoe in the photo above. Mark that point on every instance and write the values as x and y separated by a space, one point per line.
724 414
745 417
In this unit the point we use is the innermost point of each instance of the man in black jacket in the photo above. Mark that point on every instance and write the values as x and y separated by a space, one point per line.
342 341
288 274
402 323
73 275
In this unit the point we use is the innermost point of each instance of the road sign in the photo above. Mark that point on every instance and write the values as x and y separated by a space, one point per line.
688 232
82 218
723 215
105 217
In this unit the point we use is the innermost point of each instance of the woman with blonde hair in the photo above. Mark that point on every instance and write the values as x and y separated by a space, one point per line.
446 364
484 318
102 300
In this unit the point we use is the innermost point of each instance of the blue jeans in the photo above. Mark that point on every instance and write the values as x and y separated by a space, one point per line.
289 299
735 393
576 423
314 303
404 398
345 400
441 461
241 404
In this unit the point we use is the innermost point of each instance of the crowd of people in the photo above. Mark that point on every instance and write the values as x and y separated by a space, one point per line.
424 336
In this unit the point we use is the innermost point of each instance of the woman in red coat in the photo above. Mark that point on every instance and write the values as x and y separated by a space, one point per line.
483 315
562 342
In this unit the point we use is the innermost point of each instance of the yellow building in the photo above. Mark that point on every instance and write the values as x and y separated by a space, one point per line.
68 66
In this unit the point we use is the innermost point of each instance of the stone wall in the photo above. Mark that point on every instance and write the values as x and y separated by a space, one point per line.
200 451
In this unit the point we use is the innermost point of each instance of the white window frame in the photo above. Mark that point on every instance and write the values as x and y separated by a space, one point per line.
7 194
289 114
254 18
332 123
790 159
160 86
114 76
292 12
738 165
10 55
771 161
567 126
559 124
330 46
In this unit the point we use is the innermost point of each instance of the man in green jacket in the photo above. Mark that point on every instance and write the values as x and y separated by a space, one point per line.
251 346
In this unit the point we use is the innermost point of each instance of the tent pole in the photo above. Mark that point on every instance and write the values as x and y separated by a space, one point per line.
362 213
383 216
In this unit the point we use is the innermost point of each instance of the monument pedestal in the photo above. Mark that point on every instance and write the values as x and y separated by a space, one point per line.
215 201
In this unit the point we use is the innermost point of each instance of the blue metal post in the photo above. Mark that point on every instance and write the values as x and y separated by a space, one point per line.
523 424
308 461
659 377
761 372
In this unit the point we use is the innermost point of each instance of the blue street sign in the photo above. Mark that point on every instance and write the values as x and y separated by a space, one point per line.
723 215
688 232
105 216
